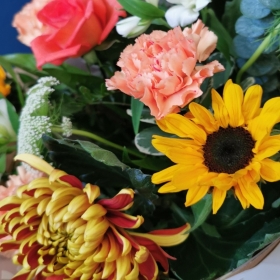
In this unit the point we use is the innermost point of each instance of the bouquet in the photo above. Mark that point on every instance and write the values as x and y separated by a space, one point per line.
140 139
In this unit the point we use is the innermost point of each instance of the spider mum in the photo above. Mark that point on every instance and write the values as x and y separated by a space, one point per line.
64 230
229 149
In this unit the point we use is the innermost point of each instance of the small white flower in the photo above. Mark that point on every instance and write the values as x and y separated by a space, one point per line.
66 126
133 26
7 133
34 119
184 12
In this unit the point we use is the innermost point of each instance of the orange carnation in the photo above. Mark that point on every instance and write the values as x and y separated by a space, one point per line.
161 68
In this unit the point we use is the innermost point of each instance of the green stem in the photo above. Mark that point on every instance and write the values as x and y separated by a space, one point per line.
256 54
99 139
236 219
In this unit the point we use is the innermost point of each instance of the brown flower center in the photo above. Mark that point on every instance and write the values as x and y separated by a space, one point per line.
228 150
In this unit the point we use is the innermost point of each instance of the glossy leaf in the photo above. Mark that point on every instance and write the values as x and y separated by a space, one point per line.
136 110
141 9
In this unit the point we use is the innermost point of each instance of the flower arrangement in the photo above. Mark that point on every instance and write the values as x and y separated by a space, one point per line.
140 138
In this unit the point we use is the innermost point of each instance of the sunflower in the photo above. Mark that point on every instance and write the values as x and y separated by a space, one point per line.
63 230
229 149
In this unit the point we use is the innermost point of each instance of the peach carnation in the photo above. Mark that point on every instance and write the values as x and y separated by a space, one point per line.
161 68
27 23
14 182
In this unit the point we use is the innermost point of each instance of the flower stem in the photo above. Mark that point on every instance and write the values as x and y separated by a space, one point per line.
256 54
99 139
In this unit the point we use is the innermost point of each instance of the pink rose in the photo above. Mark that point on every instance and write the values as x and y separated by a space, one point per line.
161 68
27 23
73 27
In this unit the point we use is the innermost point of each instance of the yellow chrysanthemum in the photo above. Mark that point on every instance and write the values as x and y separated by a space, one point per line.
4 88
63 230
229 149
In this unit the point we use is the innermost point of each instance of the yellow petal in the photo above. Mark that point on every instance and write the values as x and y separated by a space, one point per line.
35 162
162 144
195 194
162 238
123 267
165 174
183 127
270 170
94 211
251 192
204 117
268 147
220 110
261 126
244 202
223 181
252 102
188 156
188 177
168 188
134 274
233 99
218 199
92 192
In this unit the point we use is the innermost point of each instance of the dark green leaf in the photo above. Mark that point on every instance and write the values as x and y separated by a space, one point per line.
231 14
94 165
224 44
143 140
2 164
136 109
201 211
219 79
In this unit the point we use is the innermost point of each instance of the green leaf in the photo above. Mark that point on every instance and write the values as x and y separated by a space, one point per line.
2 164
92 164
136 109
141 9
143 140
230 16
225 43
146 116
101 155
210 230
13 116
201 211
219 79
8 67
24 61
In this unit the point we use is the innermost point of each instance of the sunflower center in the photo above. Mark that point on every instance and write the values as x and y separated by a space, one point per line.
228 150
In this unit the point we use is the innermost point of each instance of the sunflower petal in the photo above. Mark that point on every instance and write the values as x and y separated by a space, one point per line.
204 117
220 110
187 156
269 147
195 194
182 127
233 99
261 126
218 199
252 102
251 192
270 170
244 202
168 188
165 174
